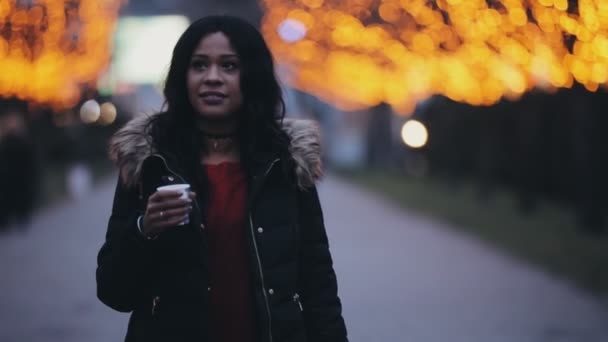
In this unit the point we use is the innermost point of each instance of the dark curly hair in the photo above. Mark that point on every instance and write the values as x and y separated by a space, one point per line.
175 131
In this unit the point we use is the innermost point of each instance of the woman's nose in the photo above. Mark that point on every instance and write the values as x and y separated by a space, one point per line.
213 75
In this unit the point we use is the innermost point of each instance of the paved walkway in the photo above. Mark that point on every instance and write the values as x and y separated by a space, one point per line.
402 277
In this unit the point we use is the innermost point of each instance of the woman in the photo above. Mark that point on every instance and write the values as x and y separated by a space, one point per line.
253 263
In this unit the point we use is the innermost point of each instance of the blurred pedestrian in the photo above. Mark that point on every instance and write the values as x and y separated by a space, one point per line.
19 183
252 263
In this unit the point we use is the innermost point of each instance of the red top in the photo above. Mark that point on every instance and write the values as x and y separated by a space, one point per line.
231 301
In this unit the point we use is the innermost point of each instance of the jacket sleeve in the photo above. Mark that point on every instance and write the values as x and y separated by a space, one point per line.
123 260
322 308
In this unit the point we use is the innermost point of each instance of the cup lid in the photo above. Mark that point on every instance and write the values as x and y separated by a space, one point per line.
174 187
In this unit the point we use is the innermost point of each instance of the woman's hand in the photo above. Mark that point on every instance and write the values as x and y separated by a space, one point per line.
166 209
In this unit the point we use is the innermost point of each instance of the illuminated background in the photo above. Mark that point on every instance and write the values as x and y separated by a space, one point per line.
360 53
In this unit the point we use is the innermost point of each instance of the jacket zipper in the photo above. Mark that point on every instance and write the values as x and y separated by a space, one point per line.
155 302
296 298
259 262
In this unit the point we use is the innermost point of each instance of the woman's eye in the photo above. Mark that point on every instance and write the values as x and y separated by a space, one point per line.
230 66
199 65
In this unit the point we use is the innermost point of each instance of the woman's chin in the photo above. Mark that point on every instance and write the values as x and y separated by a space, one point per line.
214 114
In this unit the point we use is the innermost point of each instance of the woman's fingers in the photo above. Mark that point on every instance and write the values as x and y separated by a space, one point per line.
160 196
173 221
165 200
172 213
169 204
157 225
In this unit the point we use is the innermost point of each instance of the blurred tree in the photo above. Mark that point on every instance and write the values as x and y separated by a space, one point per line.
543 146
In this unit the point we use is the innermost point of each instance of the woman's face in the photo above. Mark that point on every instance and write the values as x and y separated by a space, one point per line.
214 78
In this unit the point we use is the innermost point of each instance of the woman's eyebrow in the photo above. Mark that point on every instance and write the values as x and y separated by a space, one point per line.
228 55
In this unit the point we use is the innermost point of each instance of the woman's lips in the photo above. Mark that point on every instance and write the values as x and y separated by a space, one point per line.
212 98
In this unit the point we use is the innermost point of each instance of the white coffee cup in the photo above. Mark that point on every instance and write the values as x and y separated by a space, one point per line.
184 188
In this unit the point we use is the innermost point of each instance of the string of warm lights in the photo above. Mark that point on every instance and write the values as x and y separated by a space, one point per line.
51 49
359 53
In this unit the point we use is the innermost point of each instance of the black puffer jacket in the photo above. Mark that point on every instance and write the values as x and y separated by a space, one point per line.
164 282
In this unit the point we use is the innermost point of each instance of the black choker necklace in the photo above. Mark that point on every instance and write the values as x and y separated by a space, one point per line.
219 142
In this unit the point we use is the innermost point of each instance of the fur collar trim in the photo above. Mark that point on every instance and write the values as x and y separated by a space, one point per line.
131 145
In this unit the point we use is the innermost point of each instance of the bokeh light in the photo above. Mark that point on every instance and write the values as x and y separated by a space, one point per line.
359 53
90 112
292 30
414 134
107 114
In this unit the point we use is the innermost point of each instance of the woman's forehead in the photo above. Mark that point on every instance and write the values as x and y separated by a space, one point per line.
215 44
